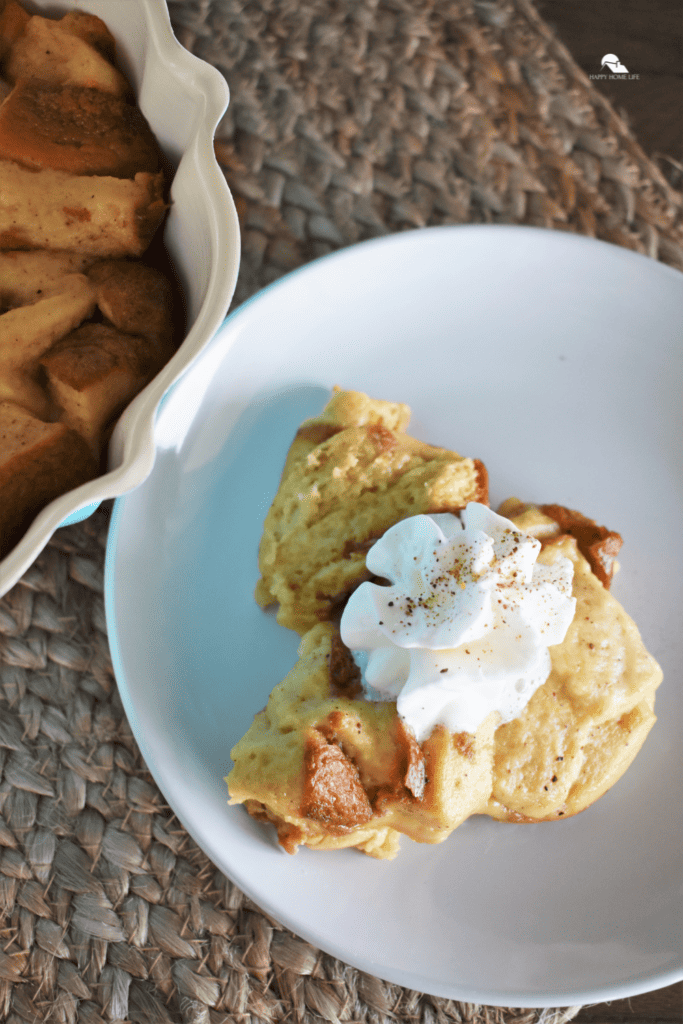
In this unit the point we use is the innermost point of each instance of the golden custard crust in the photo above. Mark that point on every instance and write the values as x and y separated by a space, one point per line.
582 729
351 473
332 770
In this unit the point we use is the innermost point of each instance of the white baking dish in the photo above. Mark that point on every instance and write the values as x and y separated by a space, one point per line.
183 99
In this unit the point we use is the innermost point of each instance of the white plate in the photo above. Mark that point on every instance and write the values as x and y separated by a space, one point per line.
558 361
183 99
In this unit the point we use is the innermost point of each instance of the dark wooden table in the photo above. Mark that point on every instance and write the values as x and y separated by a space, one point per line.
647 37
664 1006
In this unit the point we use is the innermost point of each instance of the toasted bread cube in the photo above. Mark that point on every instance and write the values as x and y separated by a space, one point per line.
100 216
28 331
38 462
75 129
13 21
25 277
22 388
138 300
53 52
92 375
91 30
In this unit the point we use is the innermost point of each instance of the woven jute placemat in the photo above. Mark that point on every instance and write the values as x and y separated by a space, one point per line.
348 120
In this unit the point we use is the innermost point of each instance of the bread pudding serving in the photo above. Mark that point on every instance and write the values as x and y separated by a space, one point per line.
351 473
84 324
480 664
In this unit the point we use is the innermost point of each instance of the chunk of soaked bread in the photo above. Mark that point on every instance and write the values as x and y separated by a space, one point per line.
330 769
27 332
97 215
77 50
38 461
351 474
75 129
138 300
26 277
94 371
13 21
92 374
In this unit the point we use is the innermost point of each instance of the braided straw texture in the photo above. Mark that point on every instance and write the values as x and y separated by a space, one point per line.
348 120
351 120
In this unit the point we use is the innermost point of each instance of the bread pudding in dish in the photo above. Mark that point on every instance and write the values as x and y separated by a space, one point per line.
480 665
84 323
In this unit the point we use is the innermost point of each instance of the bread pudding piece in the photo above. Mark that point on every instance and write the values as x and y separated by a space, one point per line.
94 371
59 364
137 300
345 409
92 374
582 729
28 331
331 769
13 21
75 129
78 49
79 166
38 461
98 215
351 473
598 545
25 277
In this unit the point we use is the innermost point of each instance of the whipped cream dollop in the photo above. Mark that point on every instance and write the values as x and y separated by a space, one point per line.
463 628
